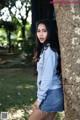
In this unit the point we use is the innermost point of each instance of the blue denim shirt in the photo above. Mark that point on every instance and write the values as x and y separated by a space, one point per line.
47 78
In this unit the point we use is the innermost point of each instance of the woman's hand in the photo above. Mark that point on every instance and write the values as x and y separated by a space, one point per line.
36 104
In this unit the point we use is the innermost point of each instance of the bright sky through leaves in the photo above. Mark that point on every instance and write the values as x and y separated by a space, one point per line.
6 15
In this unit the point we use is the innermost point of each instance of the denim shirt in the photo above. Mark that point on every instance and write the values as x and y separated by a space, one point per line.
47 78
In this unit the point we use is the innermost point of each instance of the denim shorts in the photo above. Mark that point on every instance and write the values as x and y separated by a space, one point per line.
54 101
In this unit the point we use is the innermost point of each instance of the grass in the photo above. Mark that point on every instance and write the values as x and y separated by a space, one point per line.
17 89
18 93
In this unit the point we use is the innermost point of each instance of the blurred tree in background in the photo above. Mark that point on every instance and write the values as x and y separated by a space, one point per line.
9 27
14 15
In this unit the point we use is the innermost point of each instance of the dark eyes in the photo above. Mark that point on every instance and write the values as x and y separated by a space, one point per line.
42 30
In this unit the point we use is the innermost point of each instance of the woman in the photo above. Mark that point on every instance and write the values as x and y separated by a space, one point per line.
50 99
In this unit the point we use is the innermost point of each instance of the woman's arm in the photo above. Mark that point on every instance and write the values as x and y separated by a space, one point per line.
49 65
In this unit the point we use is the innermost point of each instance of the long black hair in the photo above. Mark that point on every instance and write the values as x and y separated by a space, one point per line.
51 39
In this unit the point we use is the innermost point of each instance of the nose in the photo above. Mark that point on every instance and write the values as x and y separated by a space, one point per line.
41 33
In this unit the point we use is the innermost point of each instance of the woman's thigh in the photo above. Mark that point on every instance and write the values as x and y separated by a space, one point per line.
50 116
37 114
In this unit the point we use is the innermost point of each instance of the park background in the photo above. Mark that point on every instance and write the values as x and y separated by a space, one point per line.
18 20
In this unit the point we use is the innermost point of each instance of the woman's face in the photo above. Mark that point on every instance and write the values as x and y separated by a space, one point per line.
42 33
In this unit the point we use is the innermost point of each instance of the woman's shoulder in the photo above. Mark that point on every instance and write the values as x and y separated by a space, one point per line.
46 50
49 53
49 50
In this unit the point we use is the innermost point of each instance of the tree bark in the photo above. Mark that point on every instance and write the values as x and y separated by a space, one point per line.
68 23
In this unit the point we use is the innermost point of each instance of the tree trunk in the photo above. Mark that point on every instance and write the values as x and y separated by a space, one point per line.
41 9
34 15
9 40
23 32
68 23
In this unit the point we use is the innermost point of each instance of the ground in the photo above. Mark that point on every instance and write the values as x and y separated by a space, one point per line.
17 88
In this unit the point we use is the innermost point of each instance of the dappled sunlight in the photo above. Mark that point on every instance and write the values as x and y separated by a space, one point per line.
16 115
18 86
5 61
26 86
20 114
60 116
23 114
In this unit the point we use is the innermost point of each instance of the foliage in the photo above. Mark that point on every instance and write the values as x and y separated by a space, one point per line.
8 25
5 3
18 11
28 46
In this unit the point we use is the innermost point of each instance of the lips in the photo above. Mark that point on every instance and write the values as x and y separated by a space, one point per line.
41 38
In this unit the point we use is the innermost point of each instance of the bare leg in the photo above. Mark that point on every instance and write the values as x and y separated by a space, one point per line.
38 115
50 116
